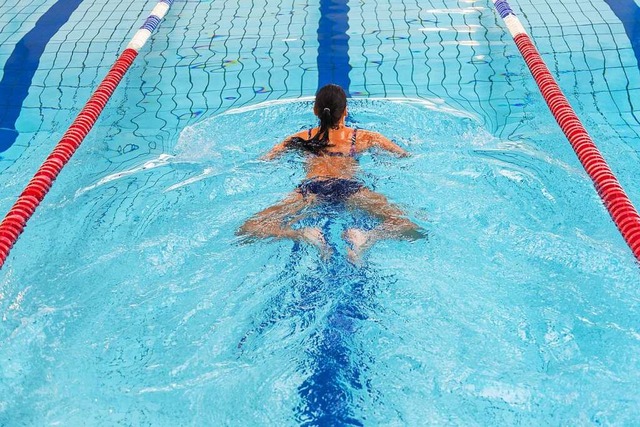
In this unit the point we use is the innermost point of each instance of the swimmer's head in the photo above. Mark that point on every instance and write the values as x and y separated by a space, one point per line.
330 105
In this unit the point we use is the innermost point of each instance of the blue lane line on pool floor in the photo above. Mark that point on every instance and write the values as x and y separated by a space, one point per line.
334 368
324 396
333 44
628 12
22 65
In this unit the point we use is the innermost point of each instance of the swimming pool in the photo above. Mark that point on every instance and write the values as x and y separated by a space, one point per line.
130 300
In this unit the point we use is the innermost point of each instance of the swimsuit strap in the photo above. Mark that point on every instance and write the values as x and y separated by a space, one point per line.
352 151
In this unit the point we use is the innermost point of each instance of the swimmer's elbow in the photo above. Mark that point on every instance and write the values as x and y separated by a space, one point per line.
246 229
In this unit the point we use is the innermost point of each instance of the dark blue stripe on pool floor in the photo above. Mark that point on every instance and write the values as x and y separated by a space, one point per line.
22 65
324 394
628 12
333 44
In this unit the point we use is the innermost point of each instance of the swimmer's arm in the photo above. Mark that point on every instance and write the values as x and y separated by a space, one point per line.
281 147
276 151
378 140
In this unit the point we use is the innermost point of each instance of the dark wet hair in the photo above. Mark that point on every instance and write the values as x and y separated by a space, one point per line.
331 101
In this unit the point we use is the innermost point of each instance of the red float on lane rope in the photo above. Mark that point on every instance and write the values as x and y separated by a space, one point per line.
15 221
622 211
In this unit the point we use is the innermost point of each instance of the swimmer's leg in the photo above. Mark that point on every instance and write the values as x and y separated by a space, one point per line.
395 225
270 223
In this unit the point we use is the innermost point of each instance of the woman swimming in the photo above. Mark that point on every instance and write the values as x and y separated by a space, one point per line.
331 165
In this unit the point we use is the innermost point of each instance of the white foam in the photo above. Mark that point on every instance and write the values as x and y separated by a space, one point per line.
205 173
162 160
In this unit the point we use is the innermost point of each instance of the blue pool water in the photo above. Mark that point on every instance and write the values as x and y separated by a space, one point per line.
130 300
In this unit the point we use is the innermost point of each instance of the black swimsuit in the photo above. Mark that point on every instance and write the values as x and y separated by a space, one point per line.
332 189
352 150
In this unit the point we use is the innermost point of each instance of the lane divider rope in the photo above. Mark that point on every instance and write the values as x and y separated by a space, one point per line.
16 219
622 211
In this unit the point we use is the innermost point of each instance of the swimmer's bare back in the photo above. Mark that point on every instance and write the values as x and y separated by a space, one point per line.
343 165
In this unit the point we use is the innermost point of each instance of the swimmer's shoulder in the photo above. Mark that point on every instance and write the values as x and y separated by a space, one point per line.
304 133
370 139
367 139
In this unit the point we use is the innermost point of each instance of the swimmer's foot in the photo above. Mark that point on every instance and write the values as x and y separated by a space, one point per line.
314 237
359 240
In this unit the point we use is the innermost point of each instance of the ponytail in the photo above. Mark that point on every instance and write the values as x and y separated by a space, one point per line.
330 104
